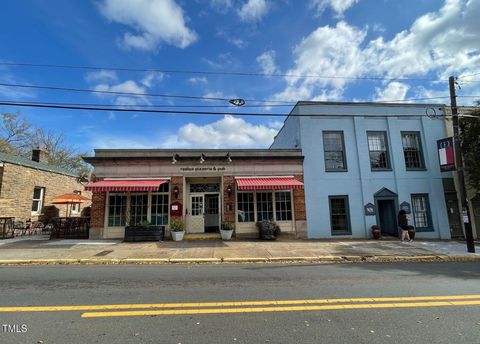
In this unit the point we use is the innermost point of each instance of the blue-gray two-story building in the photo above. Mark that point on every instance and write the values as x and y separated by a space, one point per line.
365 161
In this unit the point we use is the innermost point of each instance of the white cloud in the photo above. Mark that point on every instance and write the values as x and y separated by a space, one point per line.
442 43
129 86
253 10
228 132
198 80
101 76
329 51
267 62
154 22
151 78
238 42
338 6
393 91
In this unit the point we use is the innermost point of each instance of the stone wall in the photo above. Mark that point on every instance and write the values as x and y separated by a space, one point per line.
18 182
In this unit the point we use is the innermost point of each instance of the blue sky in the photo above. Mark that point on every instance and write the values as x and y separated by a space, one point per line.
427 39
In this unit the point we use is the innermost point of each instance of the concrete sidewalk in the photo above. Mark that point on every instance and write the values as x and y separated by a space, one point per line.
40 250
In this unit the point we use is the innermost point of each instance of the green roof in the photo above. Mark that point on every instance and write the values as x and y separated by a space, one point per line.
22 161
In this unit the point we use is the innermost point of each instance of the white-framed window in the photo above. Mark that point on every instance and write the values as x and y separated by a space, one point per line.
159 209
246 208
138 208
37 200
135 208
117 209
264 205
76 207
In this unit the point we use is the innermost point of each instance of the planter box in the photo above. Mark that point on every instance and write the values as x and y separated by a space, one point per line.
177 236
144 233
226 235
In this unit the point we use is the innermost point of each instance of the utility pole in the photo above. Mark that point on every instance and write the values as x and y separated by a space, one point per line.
460 169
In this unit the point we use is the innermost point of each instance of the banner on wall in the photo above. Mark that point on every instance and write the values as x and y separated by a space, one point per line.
446 154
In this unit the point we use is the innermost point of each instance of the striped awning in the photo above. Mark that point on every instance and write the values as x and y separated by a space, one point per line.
268 183
126 185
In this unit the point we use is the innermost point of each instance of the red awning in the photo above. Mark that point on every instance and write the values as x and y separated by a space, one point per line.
126 185
268 183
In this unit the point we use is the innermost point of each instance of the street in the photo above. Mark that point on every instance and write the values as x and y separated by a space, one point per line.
402 303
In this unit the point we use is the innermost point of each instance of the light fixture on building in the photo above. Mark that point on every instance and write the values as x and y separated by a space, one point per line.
176 191
229 189
175 159
229 160
202 158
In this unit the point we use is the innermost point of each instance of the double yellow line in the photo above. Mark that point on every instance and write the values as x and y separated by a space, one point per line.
123 310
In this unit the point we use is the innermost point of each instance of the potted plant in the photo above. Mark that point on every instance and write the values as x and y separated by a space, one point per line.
177 229
376 232
227 230
267 230
144 231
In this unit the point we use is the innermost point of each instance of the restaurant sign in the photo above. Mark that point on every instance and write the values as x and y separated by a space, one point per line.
203 169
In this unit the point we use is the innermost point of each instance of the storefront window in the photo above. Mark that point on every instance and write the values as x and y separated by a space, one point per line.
283 206
159 209
117 205
138 208
246 211
264 206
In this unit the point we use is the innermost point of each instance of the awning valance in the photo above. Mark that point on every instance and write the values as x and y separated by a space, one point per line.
126 185
268 183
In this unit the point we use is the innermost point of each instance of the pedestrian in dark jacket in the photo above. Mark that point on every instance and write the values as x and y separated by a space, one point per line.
402 220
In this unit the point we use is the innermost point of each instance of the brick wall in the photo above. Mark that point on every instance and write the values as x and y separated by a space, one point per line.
299 201
229 203
97 219
17 187
176 181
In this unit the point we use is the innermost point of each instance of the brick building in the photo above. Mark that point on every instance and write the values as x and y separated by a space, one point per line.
27 186
201 187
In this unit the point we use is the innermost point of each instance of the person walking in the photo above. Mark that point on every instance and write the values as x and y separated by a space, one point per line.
402 220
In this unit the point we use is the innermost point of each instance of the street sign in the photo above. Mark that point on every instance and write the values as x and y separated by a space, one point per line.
446 154
370 209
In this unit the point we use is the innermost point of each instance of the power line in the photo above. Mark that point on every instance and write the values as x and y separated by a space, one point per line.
177 112
180 71
70 89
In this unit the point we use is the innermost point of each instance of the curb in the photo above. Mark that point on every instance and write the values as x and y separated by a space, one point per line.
285 260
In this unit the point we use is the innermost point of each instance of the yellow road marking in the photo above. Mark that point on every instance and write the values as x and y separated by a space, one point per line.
278 309
230 304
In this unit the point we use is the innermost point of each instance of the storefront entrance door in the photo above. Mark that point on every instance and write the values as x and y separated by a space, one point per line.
212 208
196 218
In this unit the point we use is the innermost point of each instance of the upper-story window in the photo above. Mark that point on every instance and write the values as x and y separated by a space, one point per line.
37 200
334 151
378 150
412 150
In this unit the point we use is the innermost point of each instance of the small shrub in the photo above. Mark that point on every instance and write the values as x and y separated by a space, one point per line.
177 225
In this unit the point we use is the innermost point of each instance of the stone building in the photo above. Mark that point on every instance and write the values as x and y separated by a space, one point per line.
201 187
27 186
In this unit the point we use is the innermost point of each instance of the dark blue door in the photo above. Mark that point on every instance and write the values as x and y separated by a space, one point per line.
387 216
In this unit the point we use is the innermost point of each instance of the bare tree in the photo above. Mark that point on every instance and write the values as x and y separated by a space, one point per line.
15 133
18 137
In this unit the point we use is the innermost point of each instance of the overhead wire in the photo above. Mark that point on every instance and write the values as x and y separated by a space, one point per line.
205 72
81 90
223 113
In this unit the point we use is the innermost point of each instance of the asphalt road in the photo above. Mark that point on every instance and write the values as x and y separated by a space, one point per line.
393 321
